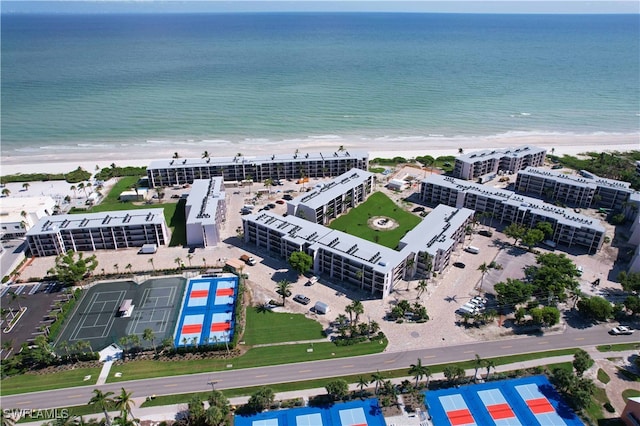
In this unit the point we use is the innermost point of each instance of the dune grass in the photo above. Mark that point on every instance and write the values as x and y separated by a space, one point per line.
355 222
264 326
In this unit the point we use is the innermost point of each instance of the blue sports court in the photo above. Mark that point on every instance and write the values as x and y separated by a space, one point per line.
520 402
207 313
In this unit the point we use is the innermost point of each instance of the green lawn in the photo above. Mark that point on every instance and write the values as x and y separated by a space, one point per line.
34 383
378 204
264 326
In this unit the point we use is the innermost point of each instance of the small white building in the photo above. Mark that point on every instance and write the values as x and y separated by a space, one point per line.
398 184
205 211
130 195
19 214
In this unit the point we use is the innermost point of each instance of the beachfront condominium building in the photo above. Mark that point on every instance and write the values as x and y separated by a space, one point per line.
569 228
19 214
113 230
362 264
328 201
432 242
583 190
205 211
480 164
180 171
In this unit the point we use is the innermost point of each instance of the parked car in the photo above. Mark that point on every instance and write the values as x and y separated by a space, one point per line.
621 330
478 301
485 233
279 201
271 206
418 209
287 197
301 299
459 265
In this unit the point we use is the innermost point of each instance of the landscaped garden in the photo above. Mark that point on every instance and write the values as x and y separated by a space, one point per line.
356 222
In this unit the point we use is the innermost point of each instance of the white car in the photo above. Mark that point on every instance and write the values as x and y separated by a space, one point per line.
621 330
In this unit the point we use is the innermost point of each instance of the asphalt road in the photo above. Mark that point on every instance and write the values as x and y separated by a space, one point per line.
317 369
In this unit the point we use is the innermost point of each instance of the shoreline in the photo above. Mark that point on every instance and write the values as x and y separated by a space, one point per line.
68 160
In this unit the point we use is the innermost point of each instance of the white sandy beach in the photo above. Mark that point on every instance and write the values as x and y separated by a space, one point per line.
387 147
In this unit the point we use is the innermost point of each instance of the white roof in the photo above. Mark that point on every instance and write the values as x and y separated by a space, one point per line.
204 196
57 223
11 208
261 159
338 186
497 154
435 231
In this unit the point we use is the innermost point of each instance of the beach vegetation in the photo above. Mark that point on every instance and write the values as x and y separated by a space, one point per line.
114 171
75 176
356 222
611 165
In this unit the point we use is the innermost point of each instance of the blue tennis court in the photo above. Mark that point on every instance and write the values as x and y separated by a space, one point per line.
525 401
207 313
352 413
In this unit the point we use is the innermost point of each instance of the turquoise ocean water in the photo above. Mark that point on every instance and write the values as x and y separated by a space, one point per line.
83 81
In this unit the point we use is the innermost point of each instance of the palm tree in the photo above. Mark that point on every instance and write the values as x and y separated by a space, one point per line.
460 151
176 155
341 148
358 309
378 379
149 336
205 154
26 186
268 183
117 268
484 268
178 262
124 403
362 383
189 257
418 370
81 186
489 364
422 287
152 265
6 192
129 267
104 402
477 364
283 289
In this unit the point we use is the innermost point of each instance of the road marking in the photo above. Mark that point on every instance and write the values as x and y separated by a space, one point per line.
347 366
74 396
429 356
260 376
468 352
390 361
579 338
506 347
170 385
23 403
304 371
542 343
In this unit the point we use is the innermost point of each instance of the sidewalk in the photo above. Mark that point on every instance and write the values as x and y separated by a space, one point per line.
168 412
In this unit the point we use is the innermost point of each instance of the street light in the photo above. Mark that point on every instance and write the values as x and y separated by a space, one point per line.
213 384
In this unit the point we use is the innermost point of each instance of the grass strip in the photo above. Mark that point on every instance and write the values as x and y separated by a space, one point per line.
255 357
618 347
24 383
